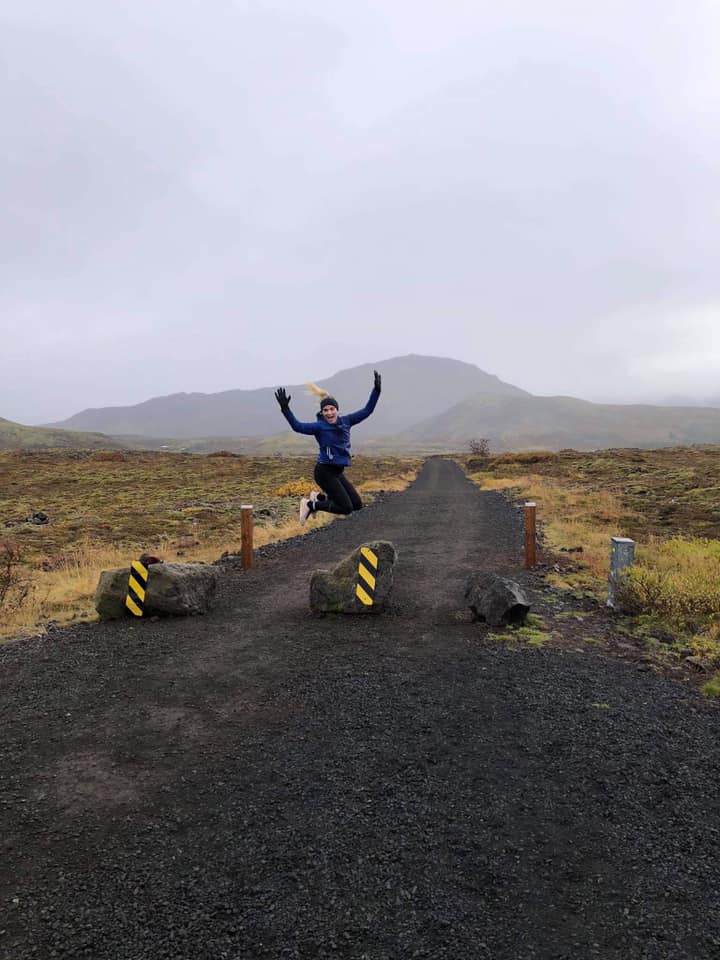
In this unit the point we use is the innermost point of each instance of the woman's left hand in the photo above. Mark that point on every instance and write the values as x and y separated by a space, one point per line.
378 381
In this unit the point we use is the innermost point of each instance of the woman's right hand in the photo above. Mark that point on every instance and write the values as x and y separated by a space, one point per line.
282 398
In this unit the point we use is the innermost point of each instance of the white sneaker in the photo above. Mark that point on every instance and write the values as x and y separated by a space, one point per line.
314 496
305 510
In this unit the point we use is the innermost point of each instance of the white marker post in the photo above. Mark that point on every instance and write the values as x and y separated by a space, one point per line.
622 555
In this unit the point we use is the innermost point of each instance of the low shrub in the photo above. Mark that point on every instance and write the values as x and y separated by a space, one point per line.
707 645
527 456
679 579
15 586
294 488
109 456
712 687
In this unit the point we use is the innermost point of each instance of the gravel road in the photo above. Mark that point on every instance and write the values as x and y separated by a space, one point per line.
261 783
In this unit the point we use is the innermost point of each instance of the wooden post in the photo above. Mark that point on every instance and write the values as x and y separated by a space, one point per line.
246 535
530 538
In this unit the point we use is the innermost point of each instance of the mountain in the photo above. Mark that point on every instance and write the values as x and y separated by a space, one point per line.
428 404
680 400
16 436
414 388
554 423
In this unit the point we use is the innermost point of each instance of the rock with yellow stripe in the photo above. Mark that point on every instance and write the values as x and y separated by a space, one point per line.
171 589
361 583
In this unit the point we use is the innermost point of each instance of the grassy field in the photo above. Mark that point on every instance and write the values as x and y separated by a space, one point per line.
667 500
106 507
662 492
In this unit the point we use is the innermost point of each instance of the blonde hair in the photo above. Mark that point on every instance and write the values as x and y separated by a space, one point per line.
317 391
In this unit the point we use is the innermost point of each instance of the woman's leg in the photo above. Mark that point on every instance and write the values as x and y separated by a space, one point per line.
351 492
337 488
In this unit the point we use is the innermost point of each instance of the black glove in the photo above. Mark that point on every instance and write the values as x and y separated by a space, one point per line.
282 398
378 381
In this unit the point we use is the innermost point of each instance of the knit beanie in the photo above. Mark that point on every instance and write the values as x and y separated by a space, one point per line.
329 402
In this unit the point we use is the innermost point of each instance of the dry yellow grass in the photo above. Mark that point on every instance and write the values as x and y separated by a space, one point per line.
570 517
393 483
64 593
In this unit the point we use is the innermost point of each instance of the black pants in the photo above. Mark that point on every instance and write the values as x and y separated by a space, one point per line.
341 495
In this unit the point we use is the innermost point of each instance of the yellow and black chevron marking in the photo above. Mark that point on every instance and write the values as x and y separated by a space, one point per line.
365 590
137 585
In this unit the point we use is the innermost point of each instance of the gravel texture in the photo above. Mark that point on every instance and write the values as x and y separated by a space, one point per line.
262 783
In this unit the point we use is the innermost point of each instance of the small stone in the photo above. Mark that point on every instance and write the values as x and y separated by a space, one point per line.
496 600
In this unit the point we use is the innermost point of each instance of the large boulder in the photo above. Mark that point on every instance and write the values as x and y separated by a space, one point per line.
495 599
336 590
173 589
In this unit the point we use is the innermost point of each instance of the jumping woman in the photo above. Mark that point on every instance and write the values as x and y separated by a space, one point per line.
332 433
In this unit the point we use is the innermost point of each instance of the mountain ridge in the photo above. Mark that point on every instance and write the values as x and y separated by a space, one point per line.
17 436
428 405
412 385
554 423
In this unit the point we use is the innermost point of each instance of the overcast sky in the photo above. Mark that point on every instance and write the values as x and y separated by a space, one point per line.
200 196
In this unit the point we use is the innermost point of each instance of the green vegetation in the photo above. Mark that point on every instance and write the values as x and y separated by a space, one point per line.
532 632
662 493
712 687
678 580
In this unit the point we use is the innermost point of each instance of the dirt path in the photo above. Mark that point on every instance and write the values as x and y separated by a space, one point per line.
260 783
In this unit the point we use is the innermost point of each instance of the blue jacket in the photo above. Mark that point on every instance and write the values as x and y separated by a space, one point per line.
333 439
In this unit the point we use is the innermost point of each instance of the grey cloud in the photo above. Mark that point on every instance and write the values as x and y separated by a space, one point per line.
305 186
